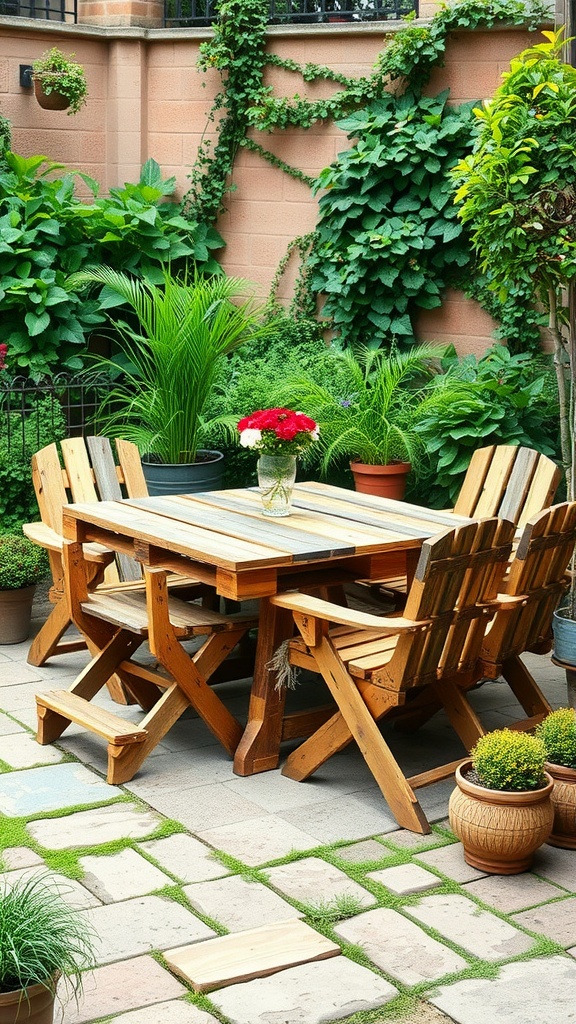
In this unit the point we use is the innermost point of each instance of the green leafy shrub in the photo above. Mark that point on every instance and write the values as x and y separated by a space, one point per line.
558 733
42 937
22 563
19 439
59 73
509 760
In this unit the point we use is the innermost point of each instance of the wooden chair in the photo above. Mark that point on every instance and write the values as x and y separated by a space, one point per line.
372 665
502 480
117 624
522 623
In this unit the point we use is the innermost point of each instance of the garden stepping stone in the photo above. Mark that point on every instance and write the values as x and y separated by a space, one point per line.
450 861
175 1012
52 788
358 853
21 750
230 959
90 828
405 878
121 876
556 865
479 932
259 840
556 920
314 882
531 990
7 725
238 904
185 857
21 857
309 994
71 891
124 986
508 893
133 927
399 947
403 839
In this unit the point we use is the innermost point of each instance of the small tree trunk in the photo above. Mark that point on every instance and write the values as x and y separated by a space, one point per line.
562 361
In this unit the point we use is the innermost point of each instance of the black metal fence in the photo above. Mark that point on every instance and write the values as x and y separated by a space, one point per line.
34 413
42 10
291 12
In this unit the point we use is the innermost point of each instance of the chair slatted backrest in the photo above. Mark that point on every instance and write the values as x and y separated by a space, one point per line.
90 474
507 481
458 575
538 575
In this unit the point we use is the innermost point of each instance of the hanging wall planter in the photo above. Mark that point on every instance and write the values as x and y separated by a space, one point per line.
50 101
59 82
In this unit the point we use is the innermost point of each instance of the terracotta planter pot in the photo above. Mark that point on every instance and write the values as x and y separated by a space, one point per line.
385 481
34 1005
564 802
55 101
500 831
15 614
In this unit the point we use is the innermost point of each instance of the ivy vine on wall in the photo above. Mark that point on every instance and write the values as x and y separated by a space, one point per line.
387 240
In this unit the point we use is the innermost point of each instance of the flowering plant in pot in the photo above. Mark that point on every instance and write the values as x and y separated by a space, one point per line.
44 943
501 809
558 733
280 435
22 565
59 81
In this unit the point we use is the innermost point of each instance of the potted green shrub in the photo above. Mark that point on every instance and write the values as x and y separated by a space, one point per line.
558 733
501 809
370 409
22 565
44 943
59 81
170 356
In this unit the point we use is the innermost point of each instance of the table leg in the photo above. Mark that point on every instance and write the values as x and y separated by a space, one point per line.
259 748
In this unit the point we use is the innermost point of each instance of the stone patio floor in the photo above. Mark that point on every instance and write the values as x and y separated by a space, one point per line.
188 851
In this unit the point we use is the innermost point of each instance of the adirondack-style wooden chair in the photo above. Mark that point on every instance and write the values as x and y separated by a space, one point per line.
91 472
118 623
533 588
502 480
373 665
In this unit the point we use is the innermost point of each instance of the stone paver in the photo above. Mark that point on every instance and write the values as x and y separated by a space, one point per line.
259 840
358 853
201 804
185 857
460 920
8 726
314 882
450 861
556 865
121 876
69 889
542 991
310 994
90 828
133 927
508 893
21 750
399 947
238 904
556 920
402 839
21 857
405 878
355 816
123 986
52 788
176 1012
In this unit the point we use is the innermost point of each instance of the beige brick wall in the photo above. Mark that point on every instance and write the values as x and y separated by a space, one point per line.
147 99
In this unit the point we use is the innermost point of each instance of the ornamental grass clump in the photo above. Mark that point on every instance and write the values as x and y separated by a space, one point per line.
22 563
42 938
558 733
508 760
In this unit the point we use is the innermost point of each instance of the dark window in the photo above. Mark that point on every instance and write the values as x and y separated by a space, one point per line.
45 10
292 12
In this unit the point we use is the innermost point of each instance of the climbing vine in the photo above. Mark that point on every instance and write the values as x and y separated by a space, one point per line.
353 238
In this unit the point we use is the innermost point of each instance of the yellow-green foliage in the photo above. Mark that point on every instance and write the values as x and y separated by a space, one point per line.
558 733
509 760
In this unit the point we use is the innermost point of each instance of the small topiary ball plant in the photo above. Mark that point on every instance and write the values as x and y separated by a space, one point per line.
558 733
508 760
22 563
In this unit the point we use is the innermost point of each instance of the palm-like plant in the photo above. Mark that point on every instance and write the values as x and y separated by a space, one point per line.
372 408
170 361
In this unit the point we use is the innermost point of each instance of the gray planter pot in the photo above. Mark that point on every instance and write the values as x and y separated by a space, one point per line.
184 478
564 629
15 614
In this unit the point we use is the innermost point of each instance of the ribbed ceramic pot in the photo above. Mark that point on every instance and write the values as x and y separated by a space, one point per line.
500 831
15 614
384 481
564 801
34 1005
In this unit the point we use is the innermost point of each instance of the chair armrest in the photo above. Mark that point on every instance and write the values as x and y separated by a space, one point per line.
47 538
316 608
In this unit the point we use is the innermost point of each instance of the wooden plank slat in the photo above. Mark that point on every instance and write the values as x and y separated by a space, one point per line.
104 723
131 466
108 487
441 517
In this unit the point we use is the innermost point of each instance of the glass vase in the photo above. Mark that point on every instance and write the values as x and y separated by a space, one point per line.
276 477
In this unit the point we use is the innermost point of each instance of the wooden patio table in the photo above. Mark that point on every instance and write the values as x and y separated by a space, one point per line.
222 538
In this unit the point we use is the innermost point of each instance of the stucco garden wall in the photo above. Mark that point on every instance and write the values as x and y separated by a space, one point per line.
146 98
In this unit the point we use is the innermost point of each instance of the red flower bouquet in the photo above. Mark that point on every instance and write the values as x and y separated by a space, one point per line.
277 431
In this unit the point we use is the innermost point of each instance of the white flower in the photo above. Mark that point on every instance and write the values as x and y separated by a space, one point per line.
250 438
